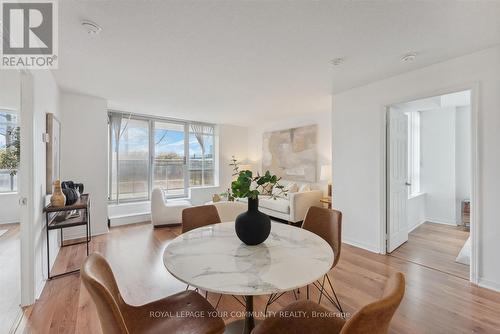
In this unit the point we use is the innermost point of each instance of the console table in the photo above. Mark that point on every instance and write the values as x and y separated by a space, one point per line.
56 219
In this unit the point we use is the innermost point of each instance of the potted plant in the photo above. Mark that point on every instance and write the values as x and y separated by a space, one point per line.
253 227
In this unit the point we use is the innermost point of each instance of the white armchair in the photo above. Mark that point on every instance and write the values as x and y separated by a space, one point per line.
164 213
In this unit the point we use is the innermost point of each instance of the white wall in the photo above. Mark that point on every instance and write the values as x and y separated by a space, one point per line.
10 89
324 146
462 156
437 165
84 154
45 100
359 144
415 211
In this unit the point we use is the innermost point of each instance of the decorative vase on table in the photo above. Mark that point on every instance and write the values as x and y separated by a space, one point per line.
57 199
253 227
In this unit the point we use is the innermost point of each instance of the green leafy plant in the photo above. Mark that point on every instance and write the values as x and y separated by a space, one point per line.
248 185
10 155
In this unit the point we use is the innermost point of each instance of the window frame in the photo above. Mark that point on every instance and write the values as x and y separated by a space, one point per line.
151 153
414 153
14 186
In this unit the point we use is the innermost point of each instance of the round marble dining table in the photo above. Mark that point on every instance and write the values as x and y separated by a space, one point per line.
212 258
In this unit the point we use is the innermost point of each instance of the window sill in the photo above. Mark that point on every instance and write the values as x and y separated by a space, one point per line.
416 195
205 187
9 193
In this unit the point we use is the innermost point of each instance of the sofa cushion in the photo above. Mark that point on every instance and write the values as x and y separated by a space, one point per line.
278 204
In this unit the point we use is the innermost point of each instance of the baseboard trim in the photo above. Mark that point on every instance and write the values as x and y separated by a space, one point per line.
437 221
130 219
414 227
364 246
483 283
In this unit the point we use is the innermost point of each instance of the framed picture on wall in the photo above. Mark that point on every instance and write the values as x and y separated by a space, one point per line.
53 168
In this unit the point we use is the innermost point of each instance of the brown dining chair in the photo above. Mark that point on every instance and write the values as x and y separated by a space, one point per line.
327 224
118 317
373 318
198 216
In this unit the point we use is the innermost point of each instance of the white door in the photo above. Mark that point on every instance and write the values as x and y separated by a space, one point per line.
397 173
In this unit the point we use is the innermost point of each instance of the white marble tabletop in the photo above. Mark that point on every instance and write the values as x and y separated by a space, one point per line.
213 259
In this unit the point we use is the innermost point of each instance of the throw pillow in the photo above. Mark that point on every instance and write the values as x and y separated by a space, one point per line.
305 187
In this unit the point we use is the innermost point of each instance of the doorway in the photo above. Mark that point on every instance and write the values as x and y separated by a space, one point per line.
429 182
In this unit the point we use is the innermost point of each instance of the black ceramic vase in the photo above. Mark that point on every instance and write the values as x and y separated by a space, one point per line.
253 227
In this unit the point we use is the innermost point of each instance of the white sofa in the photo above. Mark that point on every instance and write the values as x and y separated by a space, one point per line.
228 211
164 213
292 207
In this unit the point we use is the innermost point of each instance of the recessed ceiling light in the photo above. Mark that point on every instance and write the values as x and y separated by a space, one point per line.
411 56
337 61
91 27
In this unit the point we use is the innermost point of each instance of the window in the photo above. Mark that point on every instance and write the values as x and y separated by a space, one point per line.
201 155
414 152
9 150
151 152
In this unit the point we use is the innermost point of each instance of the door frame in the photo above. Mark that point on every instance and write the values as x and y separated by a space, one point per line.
475 222
26 190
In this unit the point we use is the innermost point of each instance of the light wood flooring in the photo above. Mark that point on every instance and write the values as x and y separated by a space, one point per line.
435 246
10 276
435 302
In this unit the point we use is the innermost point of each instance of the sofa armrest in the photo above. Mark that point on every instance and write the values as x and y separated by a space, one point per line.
300 202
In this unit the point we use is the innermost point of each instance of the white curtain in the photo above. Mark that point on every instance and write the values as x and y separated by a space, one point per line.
116 125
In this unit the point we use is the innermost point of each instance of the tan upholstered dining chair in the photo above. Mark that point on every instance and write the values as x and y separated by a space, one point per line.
327 224
198 216
118 317
373 318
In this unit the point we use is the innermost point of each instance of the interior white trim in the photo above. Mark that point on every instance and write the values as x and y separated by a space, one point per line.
371 248
483 283
26 190
415 227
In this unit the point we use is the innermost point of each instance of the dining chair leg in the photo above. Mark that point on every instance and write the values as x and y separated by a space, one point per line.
337 304
218 301
322 289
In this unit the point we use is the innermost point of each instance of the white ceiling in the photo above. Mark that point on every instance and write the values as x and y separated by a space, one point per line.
245 62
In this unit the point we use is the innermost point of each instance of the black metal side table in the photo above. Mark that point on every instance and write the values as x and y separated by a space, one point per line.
56 219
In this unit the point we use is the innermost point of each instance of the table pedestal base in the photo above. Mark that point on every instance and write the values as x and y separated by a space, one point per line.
246 325
238 327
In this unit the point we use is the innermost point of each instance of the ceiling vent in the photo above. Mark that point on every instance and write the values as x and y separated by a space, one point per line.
91 28
337 61
411 56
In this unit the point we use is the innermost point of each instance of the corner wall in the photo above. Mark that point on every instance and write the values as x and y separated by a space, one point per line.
358 149
84 154
45 100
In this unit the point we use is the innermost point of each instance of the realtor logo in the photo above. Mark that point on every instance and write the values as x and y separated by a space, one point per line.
29 34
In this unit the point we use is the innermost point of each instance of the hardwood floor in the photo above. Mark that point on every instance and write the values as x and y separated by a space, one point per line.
435 302
435 246
10 276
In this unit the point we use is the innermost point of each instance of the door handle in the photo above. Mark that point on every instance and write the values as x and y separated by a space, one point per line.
408 184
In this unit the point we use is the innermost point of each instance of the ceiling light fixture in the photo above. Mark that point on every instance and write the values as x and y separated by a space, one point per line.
411 56
91 27
337 61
